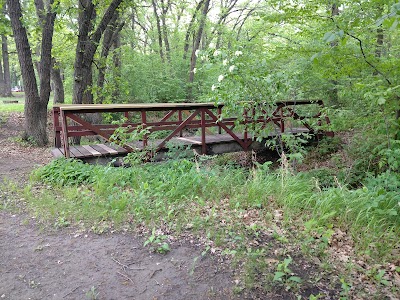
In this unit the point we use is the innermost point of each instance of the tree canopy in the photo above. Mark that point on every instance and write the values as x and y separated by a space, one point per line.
344 52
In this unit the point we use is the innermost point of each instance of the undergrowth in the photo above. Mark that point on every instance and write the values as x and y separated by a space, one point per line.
238 211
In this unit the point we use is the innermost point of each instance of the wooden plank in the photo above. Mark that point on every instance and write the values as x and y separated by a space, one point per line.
118 148
108 149
74 151
56 152
63 153
84 151
100 149
91 150
191 140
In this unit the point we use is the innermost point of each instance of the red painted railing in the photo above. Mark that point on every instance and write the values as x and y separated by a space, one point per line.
174 118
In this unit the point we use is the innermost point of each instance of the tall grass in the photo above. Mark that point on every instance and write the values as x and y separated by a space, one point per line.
181 192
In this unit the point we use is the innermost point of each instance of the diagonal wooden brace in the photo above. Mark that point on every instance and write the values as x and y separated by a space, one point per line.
243 144
95 129
178 129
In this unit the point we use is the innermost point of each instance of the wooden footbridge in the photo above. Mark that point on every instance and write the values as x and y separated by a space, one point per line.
156 126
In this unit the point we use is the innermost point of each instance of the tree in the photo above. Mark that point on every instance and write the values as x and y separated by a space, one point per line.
196 45
5 75
111 39
6 91
35 110
58 85
88 41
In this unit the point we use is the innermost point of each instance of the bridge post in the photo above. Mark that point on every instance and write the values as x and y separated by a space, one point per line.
64 126
203 131
219 114
282 123
245 137
144 125
180 121
56 126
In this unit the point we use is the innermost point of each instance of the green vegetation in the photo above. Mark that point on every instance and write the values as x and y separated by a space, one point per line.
257 216
333 206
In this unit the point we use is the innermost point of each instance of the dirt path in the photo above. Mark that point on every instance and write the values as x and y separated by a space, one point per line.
66 265
35 265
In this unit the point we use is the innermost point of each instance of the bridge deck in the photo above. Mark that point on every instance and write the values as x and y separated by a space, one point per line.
107 149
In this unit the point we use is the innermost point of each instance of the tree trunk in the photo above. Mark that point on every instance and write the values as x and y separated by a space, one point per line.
190 30
196 45
2 82
379 42
87 46
111 39
35 110
106 45
117 65
160 39
6 67
164 30
45 54
58 91
333 91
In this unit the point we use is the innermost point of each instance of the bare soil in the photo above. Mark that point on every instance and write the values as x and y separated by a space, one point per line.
36 263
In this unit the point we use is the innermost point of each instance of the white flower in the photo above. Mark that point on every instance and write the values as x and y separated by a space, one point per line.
213 87
225 62
220 78
194 70
212 45
197 52
232 68
238 53
217 52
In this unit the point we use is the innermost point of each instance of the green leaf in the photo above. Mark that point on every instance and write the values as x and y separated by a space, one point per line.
329 37
394 25
315 56
278 276
396 7
381 101
295 279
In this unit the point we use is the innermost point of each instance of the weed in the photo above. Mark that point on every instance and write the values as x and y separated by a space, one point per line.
346 287
378 276
179 151
157 242
61 221
92 294
284 274
25 142
317 237
327 146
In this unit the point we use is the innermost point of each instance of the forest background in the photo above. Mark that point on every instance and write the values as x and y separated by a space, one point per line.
346 53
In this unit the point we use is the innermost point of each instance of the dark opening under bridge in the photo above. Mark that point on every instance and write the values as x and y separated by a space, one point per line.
201 126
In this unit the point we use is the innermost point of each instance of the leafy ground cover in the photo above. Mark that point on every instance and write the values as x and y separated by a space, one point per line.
284 232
